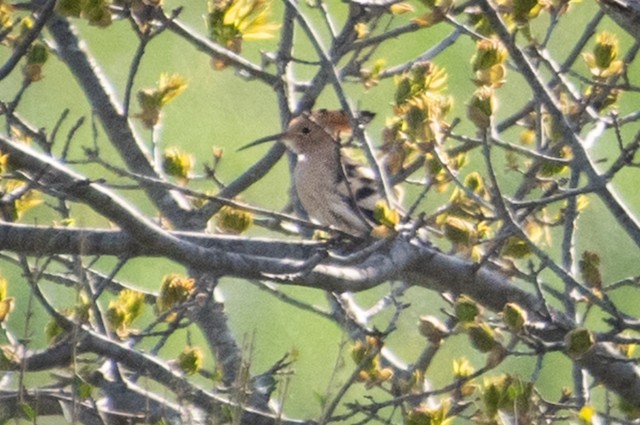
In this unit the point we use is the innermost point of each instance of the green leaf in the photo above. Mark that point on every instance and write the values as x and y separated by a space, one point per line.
514 316
482 337
589 266
466 309
578 342
190 360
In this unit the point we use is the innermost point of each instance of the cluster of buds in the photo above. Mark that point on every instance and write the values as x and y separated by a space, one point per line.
429 415
21 199
603 61
483 337
36 57
462 370
366 354
233 220
463 223
507 395
232 21
589 266
524 11
489 74
177 163
603 64
433 329
517 14
190 360
420 102
438 10
123 310
152 100
15 31
96 12
175 289
420 107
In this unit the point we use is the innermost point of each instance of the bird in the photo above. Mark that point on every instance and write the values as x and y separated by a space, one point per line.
334 189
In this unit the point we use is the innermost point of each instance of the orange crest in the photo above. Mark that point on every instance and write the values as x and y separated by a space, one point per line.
336 122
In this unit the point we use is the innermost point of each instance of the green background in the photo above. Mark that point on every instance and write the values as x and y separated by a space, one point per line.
219 109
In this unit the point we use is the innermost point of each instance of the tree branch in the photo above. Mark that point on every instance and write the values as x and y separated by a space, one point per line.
120 134
54 176
581 159
212 49
20 50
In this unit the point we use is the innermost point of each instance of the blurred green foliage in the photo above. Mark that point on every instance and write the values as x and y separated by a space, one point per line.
218 109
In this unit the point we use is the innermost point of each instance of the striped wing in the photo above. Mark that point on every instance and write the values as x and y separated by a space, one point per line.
358 188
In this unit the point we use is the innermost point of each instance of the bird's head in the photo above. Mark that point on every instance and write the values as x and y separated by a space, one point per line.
316 131
304 135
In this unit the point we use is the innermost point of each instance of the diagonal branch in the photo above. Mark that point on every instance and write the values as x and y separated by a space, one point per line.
581 158
212 49
21 49
54 176
115 124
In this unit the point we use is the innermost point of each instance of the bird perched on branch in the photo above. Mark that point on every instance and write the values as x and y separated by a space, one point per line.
334 189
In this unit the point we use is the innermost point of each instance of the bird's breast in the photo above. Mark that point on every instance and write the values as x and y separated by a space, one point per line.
319 192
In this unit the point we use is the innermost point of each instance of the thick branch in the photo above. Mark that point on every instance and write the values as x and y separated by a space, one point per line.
55 177
45 241
415 264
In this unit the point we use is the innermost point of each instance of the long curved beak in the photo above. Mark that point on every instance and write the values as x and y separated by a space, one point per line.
261 141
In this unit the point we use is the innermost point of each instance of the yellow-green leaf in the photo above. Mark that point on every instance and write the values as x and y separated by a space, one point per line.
481 336
462 368
466 309
578 342
401 8
514 316
432 328
587 414
177 163
190 360
515 247
170 86
233 220
6 307
589 266
385 215
174 290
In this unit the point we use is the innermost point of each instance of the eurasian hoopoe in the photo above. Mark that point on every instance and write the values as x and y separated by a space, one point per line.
334 189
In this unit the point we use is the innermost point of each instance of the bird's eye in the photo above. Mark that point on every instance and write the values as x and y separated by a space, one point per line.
306 130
